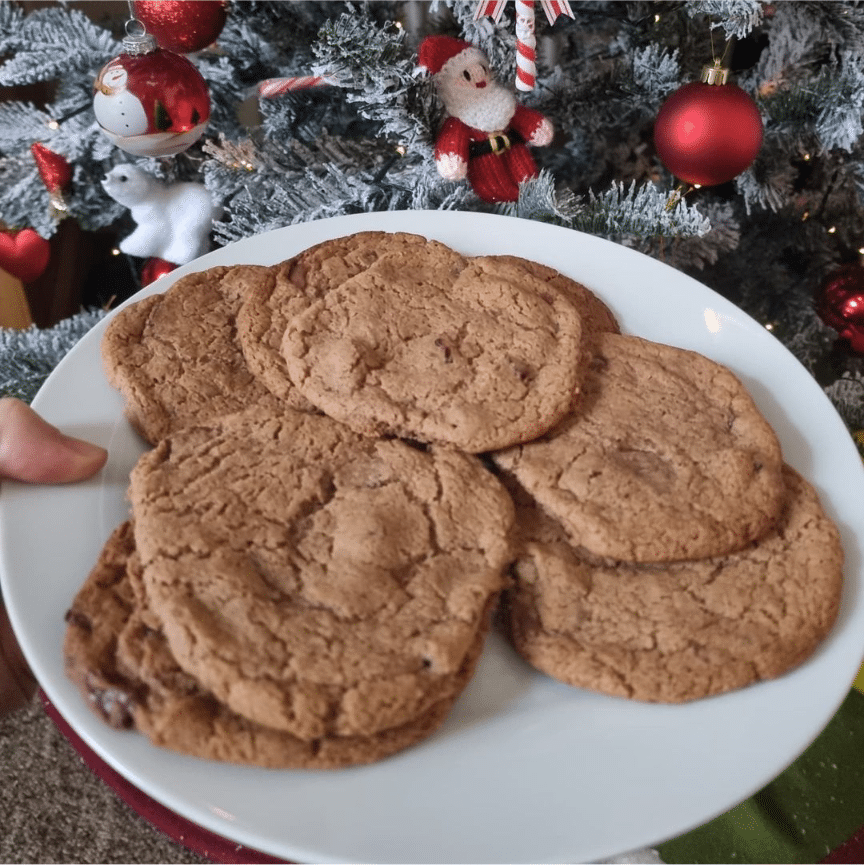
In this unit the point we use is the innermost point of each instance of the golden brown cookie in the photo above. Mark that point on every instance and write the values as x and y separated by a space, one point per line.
175 356
300 281
316 581
596 316
677 632
118 657
665 457
429 345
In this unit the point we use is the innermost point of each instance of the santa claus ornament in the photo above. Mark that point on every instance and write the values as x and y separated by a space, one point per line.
148 101
486 134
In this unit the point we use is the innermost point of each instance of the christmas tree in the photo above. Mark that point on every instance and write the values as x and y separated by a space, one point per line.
364 139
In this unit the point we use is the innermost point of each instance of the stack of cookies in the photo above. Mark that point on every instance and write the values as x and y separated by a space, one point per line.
361 453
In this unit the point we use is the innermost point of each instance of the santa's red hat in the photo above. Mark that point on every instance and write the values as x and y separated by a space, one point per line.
437 52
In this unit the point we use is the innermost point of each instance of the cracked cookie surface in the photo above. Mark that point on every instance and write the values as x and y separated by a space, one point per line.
118 657
175 356
426 344
316 581
682 631
665 457
299 281
596 317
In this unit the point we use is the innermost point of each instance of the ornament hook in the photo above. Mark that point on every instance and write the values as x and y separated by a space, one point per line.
137 40
678 194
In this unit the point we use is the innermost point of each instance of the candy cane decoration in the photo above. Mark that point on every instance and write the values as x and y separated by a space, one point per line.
526 44
277 86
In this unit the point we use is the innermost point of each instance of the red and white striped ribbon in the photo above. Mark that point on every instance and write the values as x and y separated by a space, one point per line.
552 8
493 8
526 42
276 86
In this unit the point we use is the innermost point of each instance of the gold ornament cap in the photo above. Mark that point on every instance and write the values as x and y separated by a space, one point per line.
715 74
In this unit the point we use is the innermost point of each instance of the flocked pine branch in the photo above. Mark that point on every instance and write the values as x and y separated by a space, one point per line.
829 105
736 17
847 394
640 211
65 46
51 43
800 34
695 251
377 69
11 22
643 211
838 123
656 73
27 356
539 199
770 187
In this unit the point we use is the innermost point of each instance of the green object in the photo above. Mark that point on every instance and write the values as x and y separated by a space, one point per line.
814 806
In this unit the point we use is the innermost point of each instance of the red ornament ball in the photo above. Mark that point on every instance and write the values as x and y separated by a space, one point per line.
706 134
840 303
183 26
154 268
151 104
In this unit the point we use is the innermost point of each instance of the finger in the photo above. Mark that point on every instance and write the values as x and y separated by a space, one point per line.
33 451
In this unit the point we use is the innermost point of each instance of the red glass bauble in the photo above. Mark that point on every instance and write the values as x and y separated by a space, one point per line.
840 303
183 26
151 104
155 268
706 134
24 254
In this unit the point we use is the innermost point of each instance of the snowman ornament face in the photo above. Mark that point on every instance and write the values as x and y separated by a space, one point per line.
117 109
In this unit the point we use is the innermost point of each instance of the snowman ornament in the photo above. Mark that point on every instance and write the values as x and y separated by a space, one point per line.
150 102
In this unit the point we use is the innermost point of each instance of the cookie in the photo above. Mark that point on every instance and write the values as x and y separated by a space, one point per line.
683 631
429 345
596 316
118 657
175 357
665 457
299 281
315 581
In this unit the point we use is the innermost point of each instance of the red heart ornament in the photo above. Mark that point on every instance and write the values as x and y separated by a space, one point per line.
24 254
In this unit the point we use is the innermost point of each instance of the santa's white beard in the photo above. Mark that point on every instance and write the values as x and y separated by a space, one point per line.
487 108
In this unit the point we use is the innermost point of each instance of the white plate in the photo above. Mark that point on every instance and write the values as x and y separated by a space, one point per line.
525 769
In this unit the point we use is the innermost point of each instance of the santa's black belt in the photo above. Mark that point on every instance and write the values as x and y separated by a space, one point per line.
495 143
